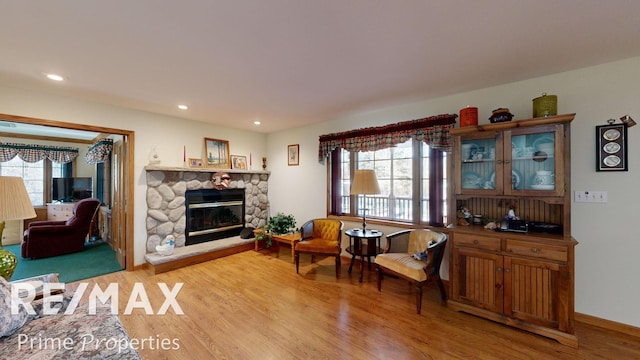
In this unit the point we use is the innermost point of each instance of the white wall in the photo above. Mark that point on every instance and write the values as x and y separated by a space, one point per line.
606 283
168 133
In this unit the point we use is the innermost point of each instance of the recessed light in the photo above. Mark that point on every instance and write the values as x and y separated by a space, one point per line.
257 122
183 107
55 77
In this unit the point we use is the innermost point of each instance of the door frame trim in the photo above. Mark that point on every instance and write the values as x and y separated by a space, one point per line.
128 165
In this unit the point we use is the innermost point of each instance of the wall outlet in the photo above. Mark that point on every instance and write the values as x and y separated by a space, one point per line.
591 196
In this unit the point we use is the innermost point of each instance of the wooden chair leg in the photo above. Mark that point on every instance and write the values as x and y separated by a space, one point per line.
353 259
338 266
297 262
379 277
419 298
443 292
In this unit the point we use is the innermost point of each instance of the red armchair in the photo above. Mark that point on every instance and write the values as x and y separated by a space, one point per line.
52 238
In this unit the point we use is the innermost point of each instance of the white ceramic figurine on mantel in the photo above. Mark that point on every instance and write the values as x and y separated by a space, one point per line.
154 158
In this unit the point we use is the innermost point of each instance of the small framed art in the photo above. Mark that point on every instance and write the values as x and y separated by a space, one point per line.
195 163
611 147
239 162
217 152
293 157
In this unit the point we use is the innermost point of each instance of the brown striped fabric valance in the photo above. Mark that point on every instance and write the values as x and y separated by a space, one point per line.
433 130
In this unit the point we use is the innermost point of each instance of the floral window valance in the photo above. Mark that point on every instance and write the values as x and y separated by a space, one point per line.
99 152
34 153
433 130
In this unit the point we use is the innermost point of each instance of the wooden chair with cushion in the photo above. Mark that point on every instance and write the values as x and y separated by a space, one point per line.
404 257
320 237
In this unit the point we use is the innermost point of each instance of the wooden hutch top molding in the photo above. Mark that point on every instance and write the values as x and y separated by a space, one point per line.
506 125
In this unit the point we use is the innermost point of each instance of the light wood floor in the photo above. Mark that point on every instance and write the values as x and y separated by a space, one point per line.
254 306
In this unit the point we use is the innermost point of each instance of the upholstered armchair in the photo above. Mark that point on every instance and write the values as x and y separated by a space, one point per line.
320 237
52 238
405 257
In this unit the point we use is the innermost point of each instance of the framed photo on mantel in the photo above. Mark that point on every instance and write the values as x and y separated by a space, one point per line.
195 163
611 147
217 153
239 162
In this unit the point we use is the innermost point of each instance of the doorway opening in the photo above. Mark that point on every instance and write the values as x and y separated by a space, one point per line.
118 211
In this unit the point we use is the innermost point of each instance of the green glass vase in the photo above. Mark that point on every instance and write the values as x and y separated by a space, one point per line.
8 261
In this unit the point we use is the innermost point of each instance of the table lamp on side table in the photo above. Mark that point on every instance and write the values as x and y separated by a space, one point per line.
15 204
364 183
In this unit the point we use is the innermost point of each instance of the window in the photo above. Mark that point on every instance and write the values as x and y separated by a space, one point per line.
402 198
413 175
33 174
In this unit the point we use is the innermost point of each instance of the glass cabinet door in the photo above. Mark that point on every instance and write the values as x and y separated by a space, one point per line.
534 161
478 158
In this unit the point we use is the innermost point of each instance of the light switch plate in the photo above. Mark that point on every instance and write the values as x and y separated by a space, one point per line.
591 196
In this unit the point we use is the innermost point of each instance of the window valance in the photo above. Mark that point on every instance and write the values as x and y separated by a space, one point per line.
433 130
99 151
34 153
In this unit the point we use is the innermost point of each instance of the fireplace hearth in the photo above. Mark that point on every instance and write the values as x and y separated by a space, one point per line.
213 214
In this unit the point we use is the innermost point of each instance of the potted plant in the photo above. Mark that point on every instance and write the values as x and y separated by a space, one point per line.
279 224
264 234
282 224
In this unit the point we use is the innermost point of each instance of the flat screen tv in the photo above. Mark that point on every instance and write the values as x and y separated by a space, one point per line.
71 189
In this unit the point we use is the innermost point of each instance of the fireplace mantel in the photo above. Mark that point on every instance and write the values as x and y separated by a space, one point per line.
205 170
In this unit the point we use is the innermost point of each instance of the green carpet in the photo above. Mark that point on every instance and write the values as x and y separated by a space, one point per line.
94 260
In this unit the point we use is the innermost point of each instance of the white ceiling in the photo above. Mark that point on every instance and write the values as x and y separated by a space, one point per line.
290 63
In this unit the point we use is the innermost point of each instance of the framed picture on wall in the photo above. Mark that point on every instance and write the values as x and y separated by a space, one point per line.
293 155
611 147
217 153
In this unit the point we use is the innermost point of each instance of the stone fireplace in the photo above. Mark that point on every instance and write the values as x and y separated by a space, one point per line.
167 205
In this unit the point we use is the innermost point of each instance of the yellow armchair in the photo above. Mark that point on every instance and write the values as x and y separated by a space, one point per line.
320 237
405 257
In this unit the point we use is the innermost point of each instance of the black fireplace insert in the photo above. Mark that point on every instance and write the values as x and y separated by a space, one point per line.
214 214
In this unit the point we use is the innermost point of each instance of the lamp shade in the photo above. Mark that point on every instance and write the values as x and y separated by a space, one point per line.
365 182
15 203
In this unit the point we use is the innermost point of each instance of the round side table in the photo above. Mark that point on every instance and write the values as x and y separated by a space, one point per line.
368 249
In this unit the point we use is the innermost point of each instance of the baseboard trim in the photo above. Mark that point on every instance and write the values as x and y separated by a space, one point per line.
144 266
608 324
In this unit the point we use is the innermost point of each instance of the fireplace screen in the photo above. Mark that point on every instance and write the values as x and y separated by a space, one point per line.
214 214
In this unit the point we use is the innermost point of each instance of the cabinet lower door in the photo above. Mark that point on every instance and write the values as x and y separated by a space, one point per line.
531 289
478 279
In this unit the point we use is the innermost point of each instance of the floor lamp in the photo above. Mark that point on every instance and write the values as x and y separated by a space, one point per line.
15 204
364 183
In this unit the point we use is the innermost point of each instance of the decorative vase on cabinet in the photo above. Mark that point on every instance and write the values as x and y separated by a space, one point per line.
522 279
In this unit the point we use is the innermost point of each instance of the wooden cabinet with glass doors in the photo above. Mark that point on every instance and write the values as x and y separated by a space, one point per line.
523 161
520 279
